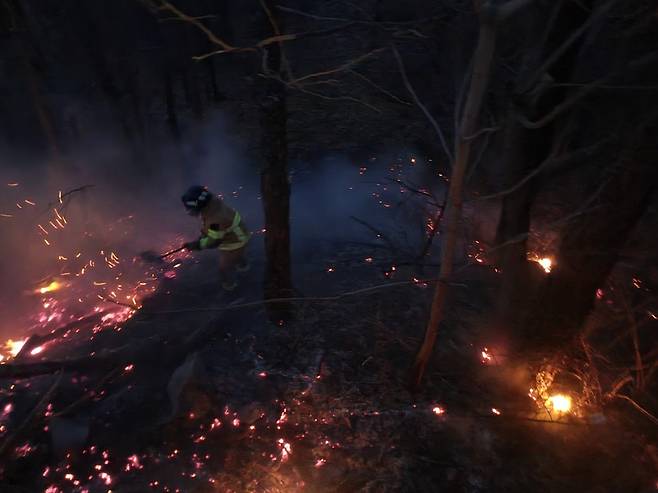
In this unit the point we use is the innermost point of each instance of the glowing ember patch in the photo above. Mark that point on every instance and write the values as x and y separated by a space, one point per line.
106 478
286 449
545 263
53 286
320 462
170 274
235 422
283 418
129 367
438 410
24 450
133 463
486 355
560 403
36 350
495 411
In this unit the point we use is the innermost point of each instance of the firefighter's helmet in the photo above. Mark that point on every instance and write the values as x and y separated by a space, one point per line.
195 199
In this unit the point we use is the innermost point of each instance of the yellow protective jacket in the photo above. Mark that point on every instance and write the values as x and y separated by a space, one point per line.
223 227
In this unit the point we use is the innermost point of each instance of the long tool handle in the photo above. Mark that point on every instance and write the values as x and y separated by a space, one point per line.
171 252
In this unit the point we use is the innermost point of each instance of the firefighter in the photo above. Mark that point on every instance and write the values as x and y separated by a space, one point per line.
222 228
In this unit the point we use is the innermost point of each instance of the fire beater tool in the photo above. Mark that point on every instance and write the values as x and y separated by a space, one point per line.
154 257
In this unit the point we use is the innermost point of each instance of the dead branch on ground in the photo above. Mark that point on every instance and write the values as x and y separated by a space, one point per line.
32 416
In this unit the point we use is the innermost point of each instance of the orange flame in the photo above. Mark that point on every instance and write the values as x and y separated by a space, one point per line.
53 286
12 348
545 263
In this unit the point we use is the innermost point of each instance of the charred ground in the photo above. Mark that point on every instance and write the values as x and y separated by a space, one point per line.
505 148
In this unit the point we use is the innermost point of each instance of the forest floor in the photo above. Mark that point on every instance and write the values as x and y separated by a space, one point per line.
217 400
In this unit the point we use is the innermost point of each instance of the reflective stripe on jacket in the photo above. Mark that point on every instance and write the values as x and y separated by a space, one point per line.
224 225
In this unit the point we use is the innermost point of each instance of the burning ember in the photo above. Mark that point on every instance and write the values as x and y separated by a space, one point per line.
438 410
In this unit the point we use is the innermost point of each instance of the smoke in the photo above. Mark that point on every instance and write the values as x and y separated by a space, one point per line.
115 205
333 193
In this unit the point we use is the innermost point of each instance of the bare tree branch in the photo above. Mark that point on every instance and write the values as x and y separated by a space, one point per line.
316 17
341 68
279 38
560 108
379 88
164 6
555 56
420 104
36 411
583 209
417 191
351 99
551 161
482 131
585 91
651 417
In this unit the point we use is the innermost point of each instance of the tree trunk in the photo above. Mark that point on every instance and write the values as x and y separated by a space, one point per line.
481 70
524 150
514 224
275 188
589 249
